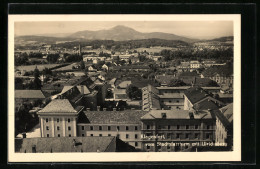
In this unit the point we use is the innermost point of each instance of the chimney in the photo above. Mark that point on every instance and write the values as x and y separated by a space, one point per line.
104 109
164 115
191 115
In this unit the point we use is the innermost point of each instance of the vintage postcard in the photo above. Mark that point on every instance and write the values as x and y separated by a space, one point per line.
124 88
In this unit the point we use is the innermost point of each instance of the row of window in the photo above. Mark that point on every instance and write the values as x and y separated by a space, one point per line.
177 126
177 101
57 120
127 136
58 128
108 128
58 135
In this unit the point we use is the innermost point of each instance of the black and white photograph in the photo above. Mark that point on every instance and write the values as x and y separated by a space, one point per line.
130 87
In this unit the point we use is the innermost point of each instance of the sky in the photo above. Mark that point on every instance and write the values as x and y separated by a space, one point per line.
192 29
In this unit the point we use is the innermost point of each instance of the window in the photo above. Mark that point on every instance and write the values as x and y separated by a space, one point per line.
159 147
82 135
187 126
117 127
58 128
170 101
126 136
48 135
148 147
68 120
168 135
58 135
208 126
148 127
196 126
91 127
177 101
58 120
91 135
196 135
47 127
186 135
100 127
159 127
47 120
178 126
108 127
69 128
207 136
178 135
136 128
109 135
136 144
136 136
100 135
69 135
169 127
82 128
168 147
126 128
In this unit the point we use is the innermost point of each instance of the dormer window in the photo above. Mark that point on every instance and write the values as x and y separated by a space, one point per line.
164 115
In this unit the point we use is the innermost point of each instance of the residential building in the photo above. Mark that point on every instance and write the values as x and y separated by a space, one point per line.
194 64
59 118
125 125
28 96
176 130
224 126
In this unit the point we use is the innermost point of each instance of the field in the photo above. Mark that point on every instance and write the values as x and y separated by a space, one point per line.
29 68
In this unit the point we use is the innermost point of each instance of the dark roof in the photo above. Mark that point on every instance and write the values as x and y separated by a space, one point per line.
165 79
202 82
115 117
65 144
29 94
206 105
189 74
225 71
176 114
58 106
195 94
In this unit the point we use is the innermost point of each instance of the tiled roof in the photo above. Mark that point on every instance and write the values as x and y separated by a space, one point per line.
205 105
29 94
176 114
64 144
165 79
115 117
58 106
195 94
226 70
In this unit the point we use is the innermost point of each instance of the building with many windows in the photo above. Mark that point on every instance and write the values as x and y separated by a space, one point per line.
176 130
125 125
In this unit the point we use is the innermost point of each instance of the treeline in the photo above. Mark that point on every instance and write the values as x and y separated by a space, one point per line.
190 53
131 44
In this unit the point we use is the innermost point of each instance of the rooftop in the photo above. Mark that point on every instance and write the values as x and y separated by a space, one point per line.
115 117
58 106
29 94
176 114
195 94
64 144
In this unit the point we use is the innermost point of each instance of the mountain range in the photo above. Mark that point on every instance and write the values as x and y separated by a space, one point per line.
117 33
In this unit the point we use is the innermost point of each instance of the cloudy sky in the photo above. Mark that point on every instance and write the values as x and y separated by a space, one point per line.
193 29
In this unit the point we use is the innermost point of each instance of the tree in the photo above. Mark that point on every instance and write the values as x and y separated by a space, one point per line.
133 92
82 64
36 82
